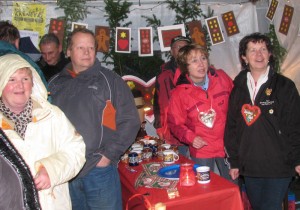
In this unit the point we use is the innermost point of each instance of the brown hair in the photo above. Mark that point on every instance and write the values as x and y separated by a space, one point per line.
8 32
184 53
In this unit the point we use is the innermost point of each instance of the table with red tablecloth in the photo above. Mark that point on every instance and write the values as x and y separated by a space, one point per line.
219 194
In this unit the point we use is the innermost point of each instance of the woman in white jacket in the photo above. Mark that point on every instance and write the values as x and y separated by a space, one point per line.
41 133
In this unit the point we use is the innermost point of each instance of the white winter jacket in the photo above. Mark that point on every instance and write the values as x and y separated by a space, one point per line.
50 139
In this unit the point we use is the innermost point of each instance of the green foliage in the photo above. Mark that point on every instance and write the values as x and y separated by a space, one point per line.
74 11
116 13
124 64
185 12
279 52
154 23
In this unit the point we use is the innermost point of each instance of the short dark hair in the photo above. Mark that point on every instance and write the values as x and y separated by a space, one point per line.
49 38
8 32
255 37
80 30
183 54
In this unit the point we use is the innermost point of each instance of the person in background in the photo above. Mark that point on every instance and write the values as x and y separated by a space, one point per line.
100 105
9 33
48 142
262 135
53 59
165 82
198 108
9 43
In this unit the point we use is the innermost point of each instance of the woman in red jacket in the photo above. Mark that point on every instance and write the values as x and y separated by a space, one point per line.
198 107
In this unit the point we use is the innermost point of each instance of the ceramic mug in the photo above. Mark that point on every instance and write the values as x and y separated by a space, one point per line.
169 156
203 174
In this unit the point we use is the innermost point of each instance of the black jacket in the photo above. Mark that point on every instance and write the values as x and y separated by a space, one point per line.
17 189
270 147
50 71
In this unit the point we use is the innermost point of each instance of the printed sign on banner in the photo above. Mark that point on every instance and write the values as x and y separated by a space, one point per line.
57 27
230 23
76 25
272 10
167 33
123 40
102 36
196 32
286 19
145 42
214 29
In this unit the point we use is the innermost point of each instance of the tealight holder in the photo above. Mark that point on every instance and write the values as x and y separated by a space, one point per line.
187 175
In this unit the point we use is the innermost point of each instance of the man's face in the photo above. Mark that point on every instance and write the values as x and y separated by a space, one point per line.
176 47
50 53
82 52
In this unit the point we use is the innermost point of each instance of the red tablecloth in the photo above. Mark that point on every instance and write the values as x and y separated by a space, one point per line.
219 194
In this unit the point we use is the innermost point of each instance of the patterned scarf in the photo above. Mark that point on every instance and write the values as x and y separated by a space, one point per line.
20 120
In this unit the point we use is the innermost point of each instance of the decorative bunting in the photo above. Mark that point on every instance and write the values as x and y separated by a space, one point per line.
145 43
167 33
123 40
196 33
102 36
272 10
76 25
57 27
230 23
214 29
286 19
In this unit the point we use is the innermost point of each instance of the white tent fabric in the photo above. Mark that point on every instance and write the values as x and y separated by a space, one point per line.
250 18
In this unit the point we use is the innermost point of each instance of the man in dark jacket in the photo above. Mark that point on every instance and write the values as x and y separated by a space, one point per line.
53 59
164 83
101 107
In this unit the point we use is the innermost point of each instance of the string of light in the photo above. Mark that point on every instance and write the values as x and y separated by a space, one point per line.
89 4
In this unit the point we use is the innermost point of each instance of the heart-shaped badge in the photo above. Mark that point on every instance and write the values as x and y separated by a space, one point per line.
250 113
207 118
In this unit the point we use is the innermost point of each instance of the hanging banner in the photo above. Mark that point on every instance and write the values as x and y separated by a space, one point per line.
272 10
123 40
145 41
167 33
214 29
57 27
196 33
29 16
286 19
230 23
102 36
76 25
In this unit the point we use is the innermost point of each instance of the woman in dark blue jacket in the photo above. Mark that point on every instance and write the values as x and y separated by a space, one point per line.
262 135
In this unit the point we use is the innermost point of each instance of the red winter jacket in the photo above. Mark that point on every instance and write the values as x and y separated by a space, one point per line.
164 85
188 101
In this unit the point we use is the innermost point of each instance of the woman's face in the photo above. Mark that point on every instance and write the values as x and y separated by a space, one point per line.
18 89
197 66
257 56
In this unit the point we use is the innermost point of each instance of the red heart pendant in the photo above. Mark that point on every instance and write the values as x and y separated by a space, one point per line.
250 113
